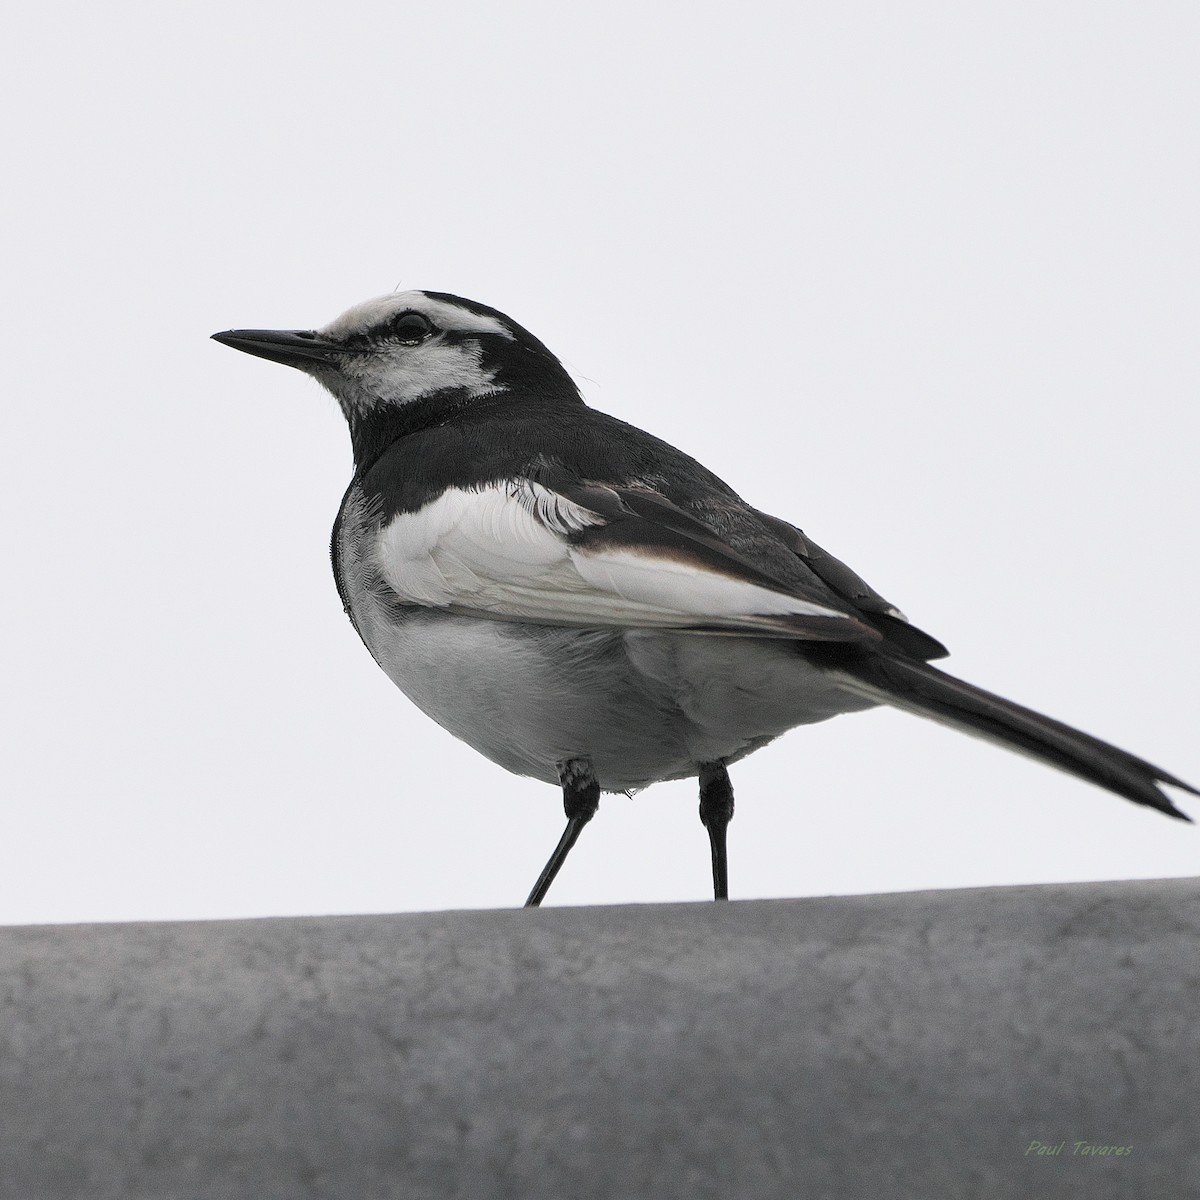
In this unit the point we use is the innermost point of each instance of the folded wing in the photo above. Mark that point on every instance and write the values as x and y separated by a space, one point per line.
592 556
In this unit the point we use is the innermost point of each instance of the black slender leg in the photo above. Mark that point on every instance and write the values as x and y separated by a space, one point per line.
581 798
716 811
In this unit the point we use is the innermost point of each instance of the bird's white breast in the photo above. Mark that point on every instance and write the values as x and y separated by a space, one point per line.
643 705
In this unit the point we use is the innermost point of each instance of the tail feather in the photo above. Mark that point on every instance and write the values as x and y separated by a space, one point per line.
924 690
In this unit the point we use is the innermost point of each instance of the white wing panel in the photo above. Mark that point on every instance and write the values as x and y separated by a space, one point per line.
503 550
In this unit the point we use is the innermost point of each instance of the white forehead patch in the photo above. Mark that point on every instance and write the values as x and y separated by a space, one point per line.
371 313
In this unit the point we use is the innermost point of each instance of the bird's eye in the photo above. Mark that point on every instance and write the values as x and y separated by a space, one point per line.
411 328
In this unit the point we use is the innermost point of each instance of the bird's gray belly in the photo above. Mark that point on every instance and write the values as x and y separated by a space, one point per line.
642 706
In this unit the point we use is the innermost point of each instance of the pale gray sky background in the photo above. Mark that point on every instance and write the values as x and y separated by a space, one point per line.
919 277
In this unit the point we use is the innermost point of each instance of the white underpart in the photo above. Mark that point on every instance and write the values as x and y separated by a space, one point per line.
371 314
641 705
501 550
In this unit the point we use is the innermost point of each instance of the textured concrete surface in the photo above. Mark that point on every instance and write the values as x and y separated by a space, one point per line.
914 1045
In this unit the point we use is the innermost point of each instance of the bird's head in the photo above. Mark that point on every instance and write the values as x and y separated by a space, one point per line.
426 349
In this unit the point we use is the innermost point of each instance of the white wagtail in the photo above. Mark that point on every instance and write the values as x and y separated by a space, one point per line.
583 603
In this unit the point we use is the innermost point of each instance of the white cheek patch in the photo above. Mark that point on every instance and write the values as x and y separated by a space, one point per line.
502 551
415 371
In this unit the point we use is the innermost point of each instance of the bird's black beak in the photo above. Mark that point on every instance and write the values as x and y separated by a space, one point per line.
292 347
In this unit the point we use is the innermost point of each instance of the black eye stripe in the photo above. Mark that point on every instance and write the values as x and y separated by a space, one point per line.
410 328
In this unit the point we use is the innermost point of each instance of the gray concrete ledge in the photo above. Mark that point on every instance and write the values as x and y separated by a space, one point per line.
910 1045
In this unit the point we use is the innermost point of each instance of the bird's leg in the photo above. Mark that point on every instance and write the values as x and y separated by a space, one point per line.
581 798
716 811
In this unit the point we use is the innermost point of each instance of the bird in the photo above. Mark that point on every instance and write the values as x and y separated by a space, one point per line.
586 605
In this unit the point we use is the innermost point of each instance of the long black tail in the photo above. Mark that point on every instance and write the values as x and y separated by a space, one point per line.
919 688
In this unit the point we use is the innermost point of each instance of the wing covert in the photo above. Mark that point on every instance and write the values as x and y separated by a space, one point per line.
593 556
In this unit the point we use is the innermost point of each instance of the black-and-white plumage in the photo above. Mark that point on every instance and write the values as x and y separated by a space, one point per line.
585 604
